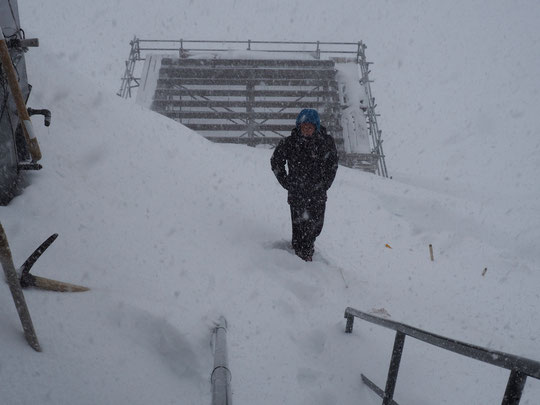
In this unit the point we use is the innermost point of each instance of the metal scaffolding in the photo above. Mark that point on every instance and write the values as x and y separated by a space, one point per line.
221 375
350 51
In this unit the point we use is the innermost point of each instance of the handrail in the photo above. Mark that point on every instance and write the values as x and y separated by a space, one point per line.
520 367
136 49
204 41
258 50
357 47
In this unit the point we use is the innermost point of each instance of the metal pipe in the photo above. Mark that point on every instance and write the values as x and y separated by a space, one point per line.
221 376
253 42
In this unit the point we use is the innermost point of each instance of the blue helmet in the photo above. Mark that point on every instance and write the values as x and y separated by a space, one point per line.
310 116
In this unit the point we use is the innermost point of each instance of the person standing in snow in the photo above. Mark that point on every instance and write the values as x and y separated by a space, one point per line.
312 161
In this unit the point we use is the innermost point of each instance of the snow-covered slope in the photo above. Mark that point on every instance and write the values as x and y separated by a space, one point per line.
171 231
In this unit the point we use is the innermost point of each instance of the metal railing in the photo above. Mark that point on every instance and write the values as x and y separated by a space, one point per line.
374 131
129 78
520 367
316 48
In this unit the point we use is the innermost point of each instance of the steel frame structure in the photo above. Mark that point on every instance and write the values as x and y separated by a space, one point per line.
185 47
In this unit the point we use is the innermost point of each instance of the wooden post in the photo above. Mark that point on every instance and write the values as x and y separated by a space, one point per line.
26 124
16 291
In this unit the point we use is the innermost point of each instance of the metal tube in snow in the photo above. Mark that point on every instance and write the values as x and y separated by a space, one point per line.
221 375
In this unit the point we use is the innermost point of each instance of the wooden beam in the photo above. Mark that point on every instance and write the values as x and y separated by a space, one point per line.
257 140
237 73
243 104
229 115
198 92
304 63
258 127
170 82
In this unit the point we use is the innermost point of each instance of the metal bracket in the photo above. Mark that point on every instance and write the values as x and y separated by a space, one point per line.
46 115
29 166
23 43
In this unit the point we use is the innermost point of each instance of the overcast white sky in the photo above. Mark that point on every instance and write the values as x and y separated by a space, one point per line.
171 231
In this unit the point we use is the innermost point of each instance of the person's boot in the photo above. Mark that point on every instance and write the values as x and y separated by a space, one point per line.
305 256
308 256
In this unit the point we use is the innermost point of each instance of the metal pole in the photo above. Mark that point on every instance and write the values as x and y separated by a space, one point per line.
221 376
125 88
181 52
394 368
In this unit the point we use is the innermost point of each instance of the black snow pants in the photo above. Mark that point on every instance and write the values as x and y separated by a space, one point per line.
307 219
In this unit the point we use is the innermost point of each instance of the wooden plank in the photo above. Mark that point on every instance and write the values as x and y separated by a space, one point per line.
228 115
165 83
258 127
259 140
198 92
241 115
242 104
304 63
237 73
328 119
256 140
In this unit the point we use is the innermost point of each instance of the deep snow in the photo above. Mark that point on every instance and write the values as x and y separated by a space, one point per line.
171 231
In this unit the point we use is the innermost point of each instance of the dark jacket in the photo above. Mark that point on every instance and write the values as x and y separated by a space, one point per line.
312 164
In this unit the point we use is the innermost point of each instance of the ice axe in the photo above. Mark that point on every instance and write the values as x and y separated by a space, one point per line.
29 280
